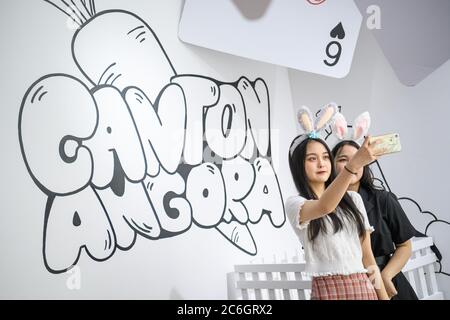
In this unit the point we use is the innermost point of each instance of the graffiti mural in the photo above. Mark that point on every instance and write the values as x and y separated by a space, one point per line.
139 150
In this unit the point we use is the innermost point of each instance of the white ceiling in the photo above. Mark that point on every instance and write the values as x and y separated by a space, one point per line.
414 35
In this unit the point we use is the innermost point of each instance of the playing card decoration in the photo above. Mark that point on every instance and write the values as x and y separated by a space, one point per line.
313 36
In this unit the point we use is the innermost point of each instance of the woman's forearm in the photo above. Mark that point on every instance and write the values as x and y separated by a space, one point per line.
370 264
375 276
329 200
335 192
398 260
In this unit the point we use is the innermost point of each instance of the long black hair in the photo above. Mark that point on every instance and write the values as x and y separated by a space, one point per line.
347 206
367 180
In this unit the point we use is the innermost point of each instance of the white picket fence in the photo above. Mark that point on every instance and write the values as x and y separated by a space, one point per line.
285 281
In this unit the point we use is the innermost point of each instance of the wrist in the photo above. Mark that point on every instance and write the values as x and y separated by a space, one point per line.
352 167
349 170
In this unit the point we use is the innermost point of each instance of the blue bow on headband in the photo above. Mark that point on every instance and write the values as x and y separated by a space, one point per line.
313 135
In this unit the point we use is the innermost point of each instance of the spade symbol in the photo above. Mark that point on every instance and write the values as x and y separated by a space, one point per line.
76 219
338 31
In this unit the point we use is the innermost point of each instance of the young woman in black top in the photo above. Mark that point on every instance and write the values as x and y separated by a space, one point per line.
391 240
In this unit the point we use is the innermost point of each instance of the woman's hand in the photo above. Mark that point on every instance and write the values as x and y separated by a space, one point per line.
364 156
373 271
395 265
389 285
378 282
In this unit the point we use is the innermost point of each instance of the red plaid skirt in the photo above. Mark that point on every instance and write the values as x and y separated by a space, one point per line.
356 286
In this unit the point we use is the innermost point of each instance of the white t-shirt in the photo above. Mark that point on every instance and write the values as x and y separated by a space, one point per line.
330 253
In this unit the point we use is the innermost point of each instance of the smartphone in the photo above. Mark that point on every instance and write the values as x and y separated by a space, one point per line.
389 142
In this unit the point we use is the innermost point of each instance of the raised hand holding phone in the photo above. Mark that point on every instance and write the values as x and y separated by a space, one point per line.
365 155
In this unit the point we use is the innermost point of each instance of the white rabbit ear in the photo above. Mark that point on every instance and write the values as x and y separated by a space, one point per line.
340 126
361 126
326 116
305 119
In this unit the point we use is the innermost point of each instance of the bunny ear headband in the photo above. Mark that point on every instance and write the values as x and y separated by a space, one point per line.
311 128
361 126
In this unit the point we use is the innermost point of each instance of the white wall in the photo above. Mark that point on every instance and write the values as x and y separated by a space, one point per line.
191 265
419 114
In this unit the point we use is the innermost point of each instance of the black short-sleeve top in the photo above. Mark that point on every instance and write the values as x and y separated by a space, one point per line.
386 215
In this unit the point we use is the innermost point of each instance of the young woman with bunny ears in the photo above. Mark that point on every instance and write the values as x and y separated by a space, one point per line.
391 240
330 222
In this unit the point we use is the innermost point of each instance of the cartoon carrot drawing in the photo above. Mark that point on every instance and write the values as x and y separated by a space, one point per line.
117 48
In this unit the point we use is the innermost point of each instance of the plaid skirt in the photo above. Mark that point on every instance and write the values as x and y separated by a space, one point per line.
356 286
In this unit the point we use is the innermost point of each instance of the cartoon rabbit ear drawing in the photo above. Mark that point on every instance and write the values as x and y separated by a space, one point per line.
325 116
340 128
361 126
305 119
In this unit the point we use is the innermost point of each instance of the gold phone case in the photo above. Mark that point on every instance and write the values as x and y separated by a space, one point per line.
389 142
